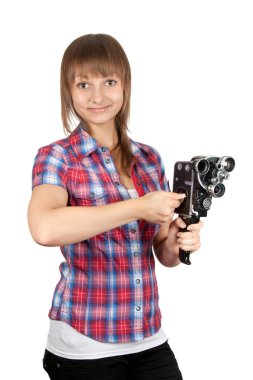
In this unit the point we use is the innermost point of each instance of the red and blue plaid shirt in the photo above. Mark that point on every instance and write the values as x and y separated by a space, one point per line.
108 289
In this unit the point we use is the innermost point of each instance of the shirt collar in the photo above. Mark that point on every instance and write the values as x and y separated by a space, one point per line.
83 144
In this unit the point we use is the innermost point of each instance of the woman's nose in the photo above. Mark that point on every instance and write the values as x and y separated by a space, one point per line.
97 94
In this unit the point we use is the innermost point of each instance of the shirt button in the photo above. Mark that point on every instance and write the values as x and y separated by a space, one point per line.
107 161
138 308
138 281
133 230
138 183
103 149
92 195
117 183
136 254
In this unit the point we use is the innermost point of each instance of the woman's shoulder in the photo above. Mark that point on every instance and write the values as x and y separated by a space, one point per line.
58 147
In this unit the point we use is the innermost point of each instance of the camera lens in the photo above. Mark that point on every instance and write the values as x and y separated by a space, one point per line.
229 164
226 163
217 190
203 166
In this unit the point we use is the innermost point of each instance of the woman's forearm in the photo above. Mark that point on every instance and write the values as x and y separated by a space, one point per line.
67 225
167 254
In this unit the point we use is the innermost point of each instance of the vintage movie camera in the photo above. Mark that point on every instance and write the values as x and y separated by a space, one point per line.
200 179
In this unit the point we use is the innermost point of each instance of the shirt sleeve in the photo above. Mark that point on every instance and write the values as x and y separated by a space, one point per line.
164 183
50 167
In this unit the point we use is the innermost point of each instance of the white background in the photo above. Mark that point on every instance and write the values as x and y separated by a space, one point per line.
192 94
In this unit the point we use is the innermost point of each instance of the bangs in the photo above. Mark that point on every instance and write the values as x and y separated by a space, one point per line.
95 57
95 68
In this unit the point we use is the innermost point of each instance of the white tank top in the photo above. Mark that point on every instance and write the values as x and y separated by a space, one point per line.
63 340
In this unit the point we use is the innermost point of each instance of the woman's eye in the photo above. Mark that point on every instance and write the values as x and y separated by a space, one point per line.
82 85
110 82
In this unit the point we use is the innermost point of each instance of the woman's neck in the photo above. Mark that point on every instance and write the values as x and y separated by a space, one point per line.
105 136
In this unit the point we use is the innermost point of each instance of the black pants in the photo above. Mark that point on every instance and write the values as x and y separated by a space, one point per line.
158 363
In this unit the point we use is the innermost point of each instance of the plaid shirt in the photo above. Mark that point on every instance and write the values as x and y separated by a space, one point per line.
108 289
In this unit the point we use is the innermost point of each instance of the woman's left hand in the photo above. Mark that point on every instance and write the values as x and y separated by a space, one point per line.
187 241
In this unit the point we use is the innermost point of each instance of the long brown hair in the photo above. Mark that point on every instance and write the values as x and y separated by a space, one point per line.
97 54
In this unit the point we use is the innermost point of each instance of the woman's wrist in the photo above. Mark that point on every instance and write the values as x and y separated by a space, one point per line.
167 253
138 208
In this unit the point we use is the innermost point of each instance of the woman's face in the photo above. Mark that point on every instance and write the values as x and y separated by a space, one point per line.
97 100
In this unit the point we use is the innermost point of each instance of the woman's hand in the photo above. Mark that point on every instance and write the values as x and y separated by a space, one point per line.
158 206
187 241
167 251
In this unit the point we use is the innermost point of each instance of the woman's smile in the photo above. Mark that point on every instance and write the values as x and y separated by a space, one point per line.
98 109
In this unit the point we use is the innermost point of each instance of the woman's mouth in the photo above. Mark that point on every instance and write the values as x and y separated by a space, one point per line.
98 109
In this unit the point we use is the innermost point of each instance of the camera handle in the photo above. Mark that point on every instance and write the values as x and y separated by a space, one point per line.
184 256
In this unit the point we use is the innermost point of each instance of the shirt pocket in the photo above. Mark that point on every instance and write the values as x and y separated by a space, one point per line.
93 194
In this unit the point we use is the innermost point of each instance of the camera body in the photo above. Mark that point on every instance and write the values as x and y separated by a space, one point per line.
200 179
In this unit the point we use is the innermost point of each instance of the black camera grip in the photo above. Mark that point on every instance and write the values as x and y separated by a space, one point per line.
184 256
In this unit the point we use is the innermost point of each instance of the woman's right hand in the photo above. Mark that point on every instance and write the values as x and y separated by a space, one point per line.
158 206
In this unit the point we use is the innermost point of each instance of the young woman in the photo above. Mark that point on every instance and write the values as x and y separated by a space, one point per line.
104 199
